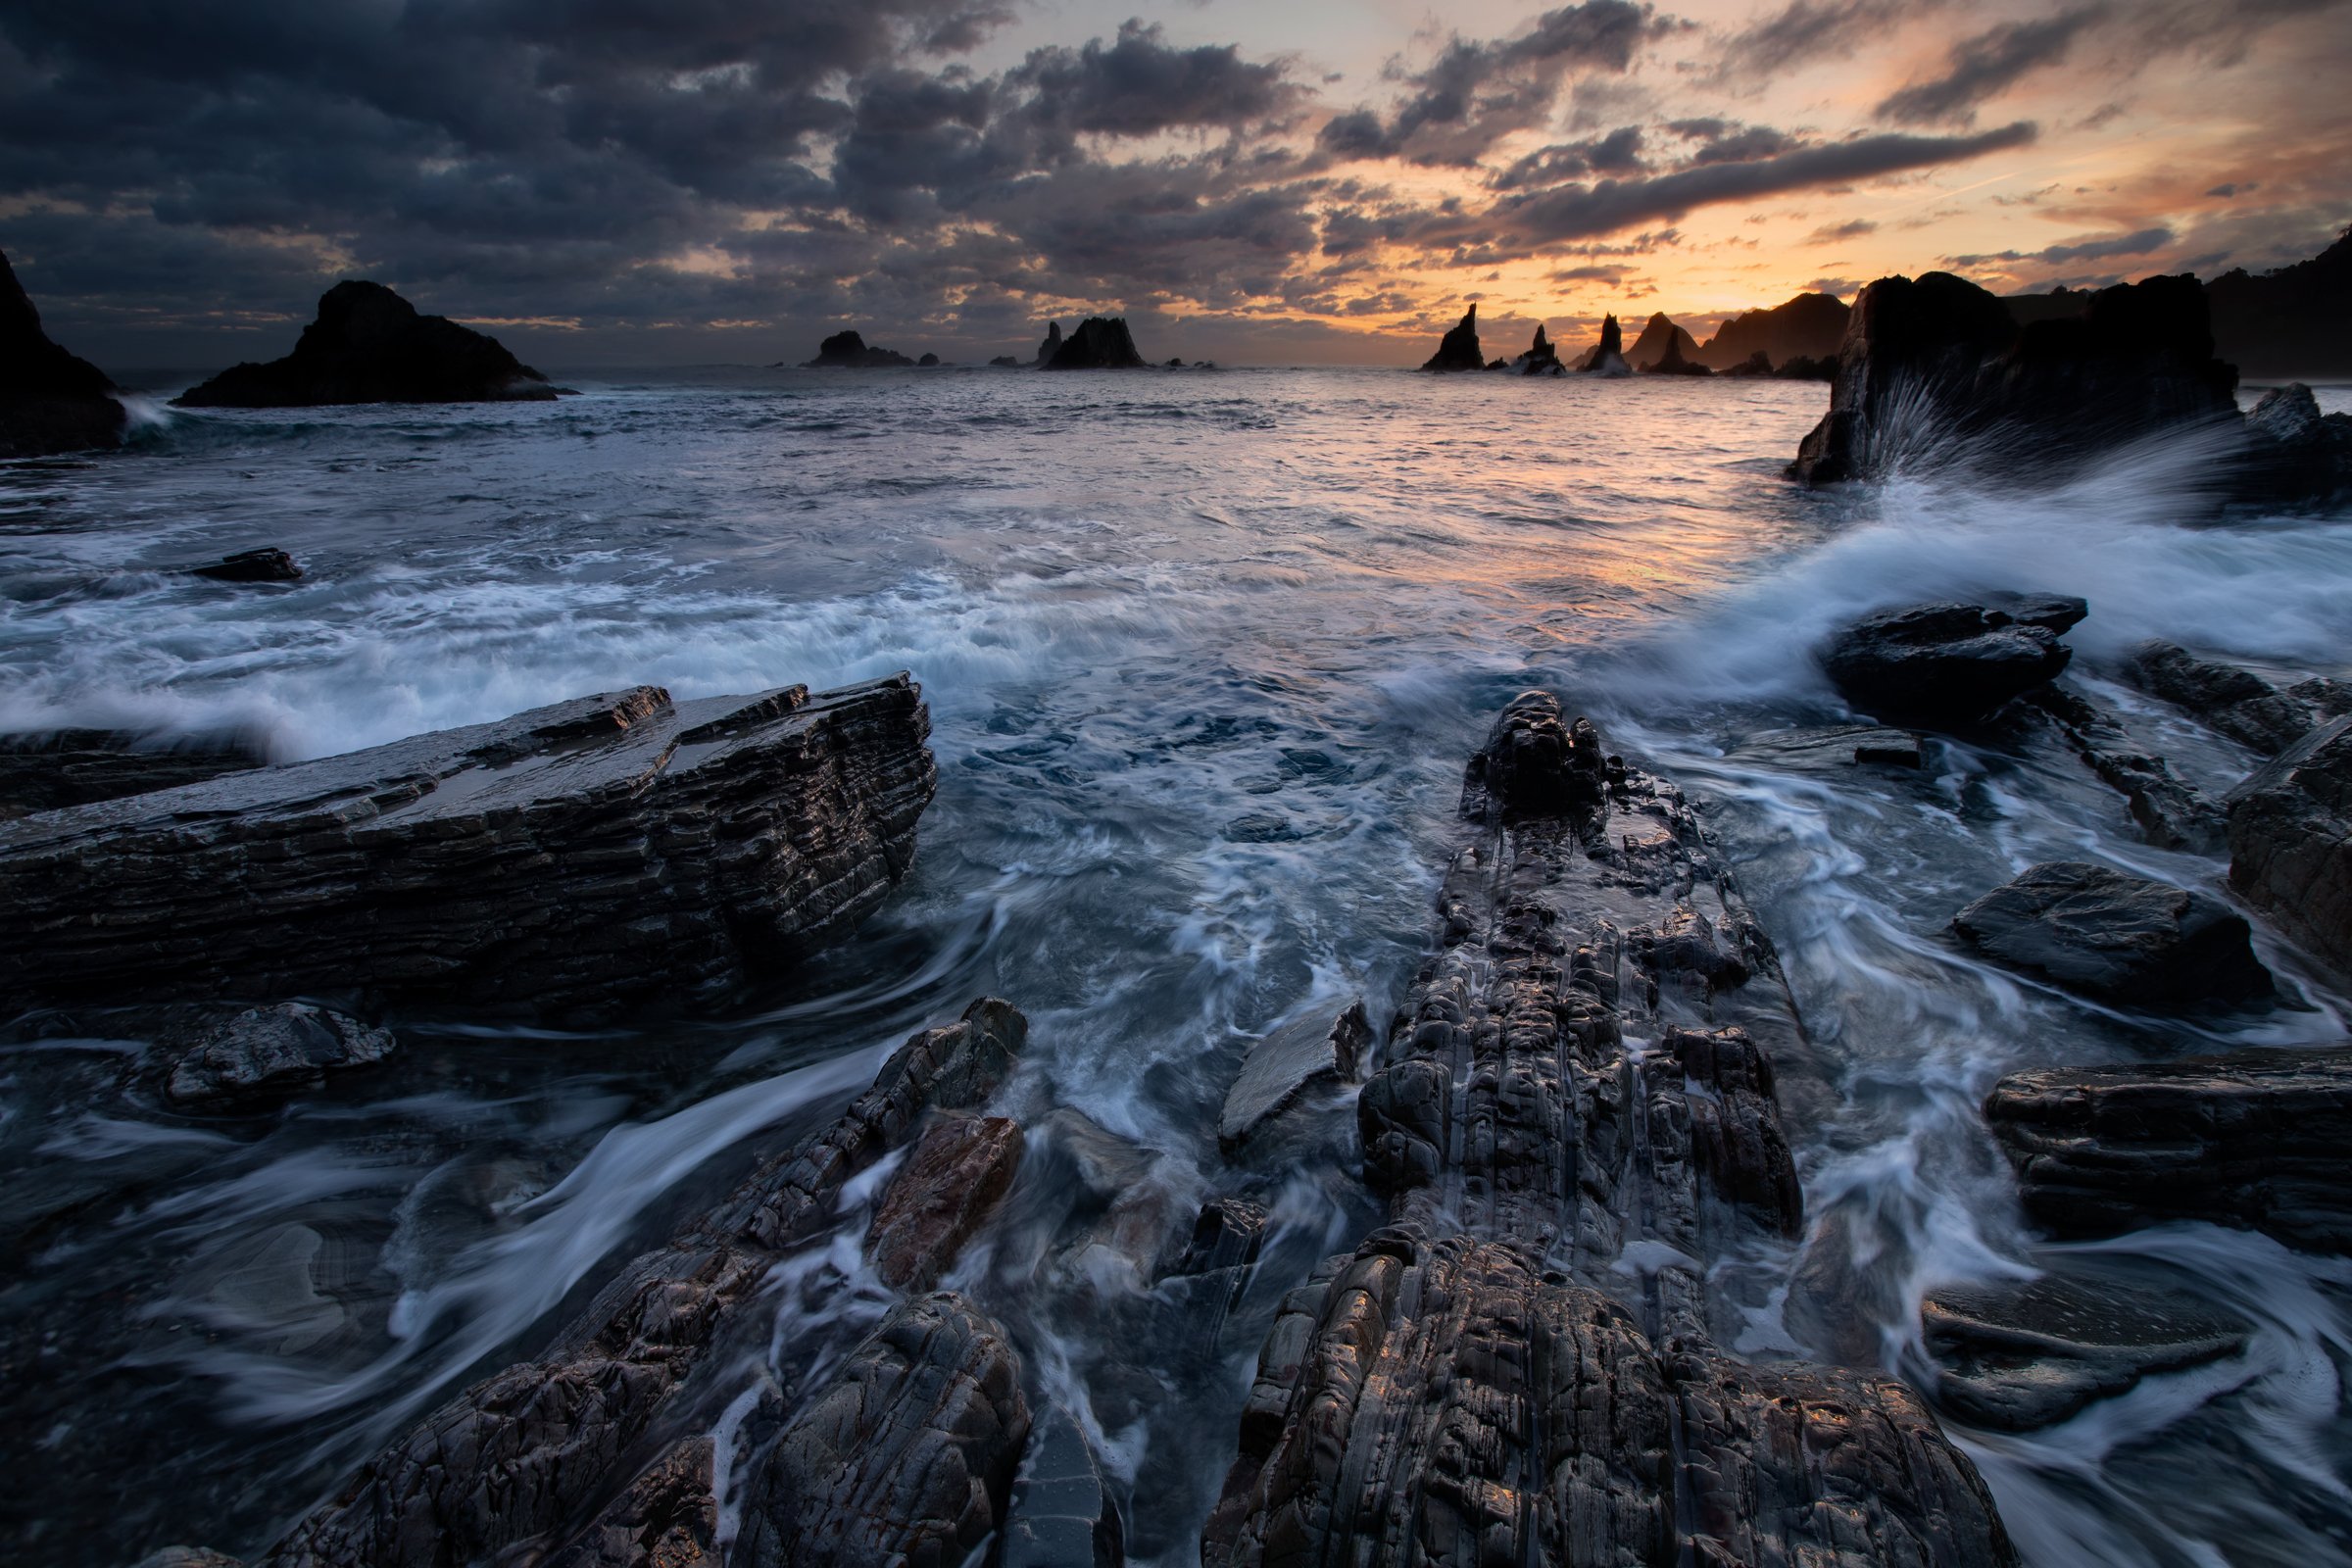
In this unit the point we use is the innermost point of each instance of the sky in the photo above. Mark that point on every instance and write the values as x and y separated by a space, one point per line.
648 181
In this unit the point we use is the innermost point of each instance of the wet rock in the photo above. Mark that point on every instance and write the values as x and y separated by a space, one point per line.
908 1455
2121 938
1100 343
1288 1063
2327 696
251 566
529 1454
1836 748
2233 701
368 345
1929 366
2290 843
2260 1140
1062 1515
1537 762
949 1189
1458 350
268 1053
1606 357
666 1518
2018 1356
49 772
1945 665
50 400
1541 358
567 861
2294 454
187 1557
2172 814
1225 1236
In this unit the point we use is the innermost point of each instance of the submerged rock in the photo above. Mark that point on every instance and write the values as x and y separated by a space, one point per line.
2173 816
268 564
1606 357
2260 1140
50 400
1062 1514
2290 843
1945 664
2120 938
270 1052
1288 1063
48 772
567 861
1100 343
2234 702
847 349
523 1461
368 345
1458 350
950 1187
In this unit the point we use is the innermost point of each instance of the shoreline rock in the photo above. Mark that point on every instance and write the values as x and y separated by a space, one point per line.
1459 349
56 769
2290 843
268 1053
51 401
1541 358
266 564
2120 938
1945 664
368 345
570 862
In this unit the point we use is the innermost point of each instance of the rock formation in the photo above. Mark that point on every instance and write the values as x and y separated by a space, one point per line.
268 1053
2296 455
2119 938
50 402
1004 362
1288 1063
1659 334
2295 321
368 345
909 1449
48 772
1541 358
1757 365
1672 362
950 1187
1821 368
1807 325
1458 350
1100 343
2230 700
1946 664
1479 1382
1051 346
2290 843
1931 366
266 564
567 861
847 350
2259 1139
2172 815
1606 357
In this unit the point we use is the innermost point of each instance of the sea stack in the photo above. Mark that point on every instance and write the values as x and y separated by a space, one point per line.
1100 343
1542 359
368 345
49 399
1051 346
849 351
1672 362
1608 357
1458 350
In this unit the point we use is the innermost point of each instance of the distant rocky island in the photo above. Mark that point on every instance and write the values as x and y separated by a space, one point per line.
50 400
368 345
1794 341
1097 343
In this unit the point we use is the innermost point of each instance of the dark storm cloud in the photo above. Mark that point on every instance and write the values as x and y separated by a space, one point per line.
1617 153
2088 250
1476 94
1985 65
1138 85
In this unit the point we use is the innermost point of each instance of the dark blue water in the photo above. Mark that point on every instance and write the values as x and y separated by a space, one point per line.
1205 653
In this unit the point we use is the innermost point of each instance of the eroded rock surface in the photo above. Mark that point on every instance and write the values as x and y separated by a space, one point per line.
950 1187
567 861
2172 815
2123 938
2290 843
1285 1064
368 345
2261 1140
266 1053
2020 1355
1946 664
52 771
1062 1514
2236 703
532 1456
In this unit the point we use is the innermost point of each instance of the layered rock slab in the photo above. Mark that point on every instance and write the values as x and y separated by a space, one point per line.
533 1456
569 862
2258 1140
2290 843
2106 933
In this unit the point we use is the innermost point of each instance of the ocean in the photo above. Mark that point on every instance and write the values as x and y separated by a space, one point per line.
1206 652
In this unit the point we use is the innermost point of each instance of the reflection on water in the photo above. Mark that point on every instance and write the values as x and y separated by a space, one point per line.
1204 654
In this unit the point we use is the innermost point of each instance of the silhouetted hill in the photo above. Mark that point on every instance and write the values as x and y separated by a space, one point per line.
1808 327
1650 347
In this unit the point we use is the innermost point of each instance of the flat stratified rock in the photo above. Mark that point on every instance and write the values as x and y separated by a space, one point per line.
58 768
1062 1514
2234 702
2261 1140
1285 1064
2172 815
50 400
2123 938
570 860
368 345
2290 843
530 1458
1945 665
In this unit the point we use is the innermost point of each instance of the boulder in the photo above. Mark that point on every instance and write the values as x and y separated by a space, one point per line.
2234 702
1051 346
847 350
266 564
1100 343
2258 1140
1285 1064
47 772
668 1517
268 1053
368 345
1541 358
1062 1514
50 400
1606 357
522 1463
1930 367
570 862
2020 1355
2118 937
950 1186
1458 350
2290 843
907 1456
1659 338
1946 664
